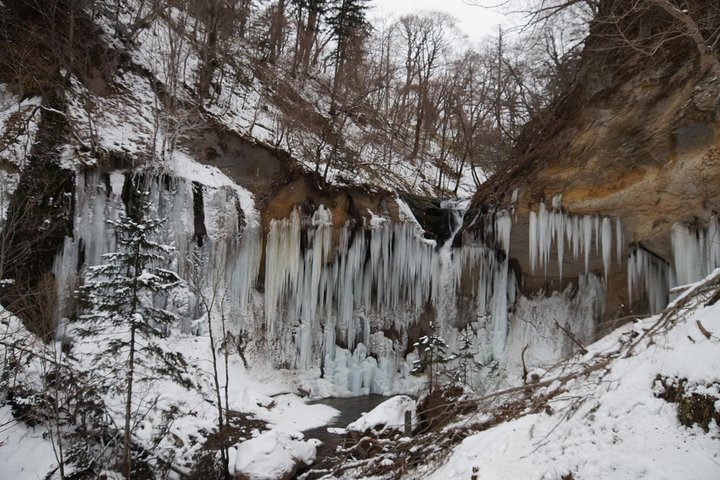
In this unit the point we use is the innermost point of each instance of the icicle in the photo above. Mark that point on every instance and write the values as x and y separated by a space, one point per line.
559 232
596 228
587 239
606 233
503 226
648 276
619 240
544 235
533 241
687 254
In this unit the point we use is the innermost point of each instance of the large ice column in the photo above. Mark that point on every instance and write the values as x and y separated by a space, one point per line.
96 201
499 309
696 252
282 265
224 267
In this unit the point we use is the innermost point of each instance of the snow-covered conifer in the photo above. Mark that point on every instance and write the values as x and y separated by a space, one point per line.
120 299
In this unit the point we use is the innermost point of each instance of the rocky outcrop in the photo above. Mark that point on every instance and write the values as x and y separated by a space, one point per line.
637 138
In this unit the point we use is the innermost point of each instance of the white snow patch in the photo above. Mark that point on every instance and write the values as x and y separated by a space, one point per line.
389 415
24 453
272 455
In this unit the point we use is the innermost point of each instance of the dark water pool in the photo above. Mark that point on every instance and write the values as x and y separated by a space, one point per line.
350 409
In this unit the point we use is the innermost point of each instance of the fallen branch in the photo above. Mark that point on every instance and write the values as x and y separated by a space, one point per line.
577 342
700 326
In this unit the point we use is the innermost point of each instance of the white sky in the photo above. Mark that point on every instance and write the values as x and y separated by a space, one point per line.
475 22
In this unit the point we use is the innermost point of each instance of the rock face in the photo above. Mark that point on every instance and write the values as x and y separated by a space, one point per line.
638 140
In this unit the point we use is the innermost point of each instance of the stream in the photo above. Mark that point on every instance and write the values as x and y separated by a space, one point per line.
350 408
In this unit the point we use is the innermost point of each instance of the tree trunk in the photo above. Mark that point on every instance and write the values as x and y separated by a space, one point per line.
308 39
208 52
126 463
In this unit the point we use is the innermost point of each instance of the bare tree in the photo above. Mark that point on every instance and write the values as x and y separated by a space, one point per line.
695 20
426 38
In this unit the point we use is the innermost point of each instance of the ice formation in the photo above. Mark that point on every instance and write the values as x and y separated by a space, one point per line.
696 252
334 298
648 278
535 323
223 263
340 299
553 226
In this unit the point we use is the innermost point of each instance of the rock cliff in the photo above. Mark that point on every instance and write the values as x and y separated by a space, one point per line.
636 139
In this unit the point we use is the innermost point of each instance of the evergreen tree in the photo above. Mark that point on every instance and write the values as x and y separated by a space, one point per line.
347 20
118 297
466 363
432 352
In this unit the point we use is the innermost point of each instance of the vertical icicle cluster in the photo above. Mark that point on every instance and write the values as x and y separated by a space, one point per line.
488 269
95 201
388 267
696 253
228 261
648 277
345 282
553 226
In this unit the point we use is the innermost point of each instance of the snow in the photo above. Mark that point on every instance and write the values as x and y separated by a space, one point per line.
18 126
609 424
291 414
261 391
389 415
272 455
24 453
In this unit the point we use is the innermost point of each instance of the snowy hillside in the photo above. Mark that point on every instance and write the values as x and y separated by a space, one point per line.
643 403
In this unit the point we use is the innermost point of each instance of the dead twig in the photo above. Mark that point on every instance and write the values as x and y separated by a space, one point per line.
572 337
702 329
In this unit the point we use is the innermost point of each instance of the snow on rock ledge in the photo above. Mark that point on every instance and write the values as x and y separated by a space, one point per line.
389 415
272 455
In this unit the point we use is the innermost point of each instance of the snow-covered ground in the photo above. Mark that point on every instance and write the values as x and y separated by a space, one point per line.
609 424
261 392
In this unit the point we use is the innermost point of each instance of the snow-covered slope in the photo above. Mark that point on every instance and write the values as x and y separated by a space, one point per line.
610 423
30 447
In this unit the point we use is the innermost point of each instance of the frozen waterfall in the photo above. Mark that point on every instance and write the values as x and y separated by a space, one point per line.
224 263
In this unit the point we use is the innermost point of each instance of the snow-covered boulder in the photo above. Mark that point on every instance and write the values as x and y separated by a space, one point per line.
272 455
389 415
